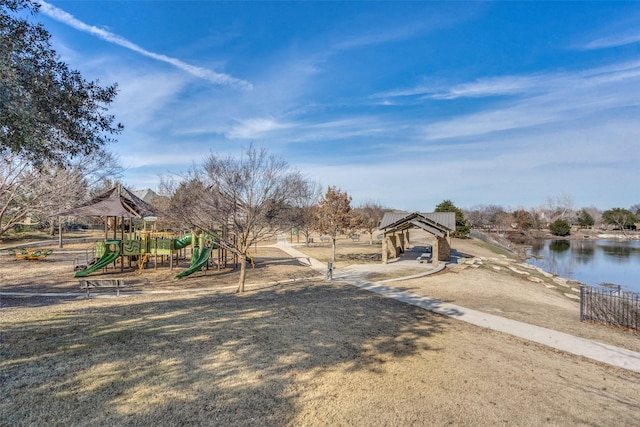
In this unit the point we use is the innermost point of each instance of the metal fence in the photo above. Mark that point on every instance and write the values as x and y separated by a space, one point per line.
612 306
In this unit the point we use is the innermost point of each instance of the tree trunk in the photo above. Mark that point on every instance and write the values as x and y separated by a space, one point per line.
333 249
243 273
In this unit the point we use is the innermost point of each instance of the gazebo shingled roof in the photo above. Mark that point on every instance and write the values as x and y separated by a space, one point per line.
118 202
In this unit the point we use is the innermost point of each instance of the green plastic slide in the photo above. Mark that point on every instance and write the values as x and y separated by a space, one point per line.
111 253
196 263
182 242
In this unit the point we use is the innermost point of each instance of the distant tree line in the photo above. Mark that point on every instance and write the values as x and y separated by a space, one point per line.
558 216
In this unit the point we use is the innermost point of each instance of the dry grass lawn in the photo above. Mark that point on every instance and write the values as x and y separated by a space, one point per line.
301 352
347 252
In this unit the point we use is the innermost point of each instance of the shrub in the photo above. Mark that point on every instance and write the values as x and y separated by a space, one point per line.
560 227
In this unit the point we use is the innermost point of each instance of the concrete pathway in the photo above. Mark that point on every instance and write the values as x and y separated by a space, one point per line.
605 353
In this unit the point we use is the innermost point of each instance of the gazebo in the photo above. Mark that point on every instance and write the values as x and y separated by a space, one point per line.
396 225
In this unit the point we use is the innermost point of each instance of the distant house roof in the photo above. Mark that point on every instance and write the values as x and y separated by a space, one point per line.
116 202
437 223
147 194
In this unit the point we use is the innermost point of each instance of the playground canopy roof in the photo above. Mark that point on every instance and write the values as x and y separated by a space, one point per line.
437 223
118 202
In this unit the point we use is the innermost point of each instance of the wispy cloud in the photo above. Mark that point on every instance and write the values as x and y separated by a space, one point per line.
491 86
254 128
203 73
525 85
613 41
541 99
375 38
496 86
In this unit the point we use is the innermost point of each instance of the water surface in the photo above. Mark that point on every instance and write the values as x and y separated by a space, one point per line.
593 262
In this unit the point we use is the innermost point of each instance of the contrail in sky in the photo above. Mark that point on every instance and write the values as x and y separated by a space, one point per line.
68 19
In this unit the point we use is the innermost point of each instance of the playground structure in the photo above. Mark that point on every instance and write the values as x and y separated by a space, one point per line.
119 208
30 254
141 245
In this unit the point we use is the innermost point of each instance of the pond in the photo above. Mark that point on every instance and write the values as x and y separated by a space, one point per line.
592 262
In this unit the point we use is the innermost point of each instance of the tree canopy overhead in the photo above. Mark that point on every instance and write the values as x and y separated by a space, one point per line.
48 112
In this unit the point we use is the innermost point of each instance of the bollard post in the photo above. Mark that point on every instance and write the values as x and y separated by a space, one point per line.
329 271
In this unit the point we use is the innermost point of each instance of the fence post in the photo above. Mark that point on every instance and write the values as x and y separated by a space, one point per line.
581 303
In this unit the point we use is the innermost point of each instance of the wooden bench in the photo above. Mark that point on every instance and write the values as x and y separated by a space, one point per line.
325 239
89 284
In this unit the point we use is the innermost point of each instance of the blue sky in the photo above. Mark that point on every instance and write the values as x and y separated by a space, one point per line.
402 103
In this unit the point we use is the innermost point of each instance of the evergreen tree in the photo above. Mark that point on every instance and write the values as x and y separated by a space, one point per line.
560 227
48 112
462 227
585 219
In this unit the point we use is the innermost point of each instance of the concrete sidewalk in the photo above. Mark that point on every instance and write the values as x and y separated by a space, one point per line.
313 263
604 353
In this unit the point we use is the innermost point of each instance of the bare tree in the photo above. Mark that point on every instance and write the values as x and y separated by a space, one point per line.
302 212
372 213
248 196
526 219
167 188
503 222
16 177
189 204
74 184
33 192
560 207
485 217
335 216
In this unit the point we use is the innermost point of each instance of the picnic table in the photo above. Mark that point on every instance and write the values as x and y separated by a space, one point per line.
89 284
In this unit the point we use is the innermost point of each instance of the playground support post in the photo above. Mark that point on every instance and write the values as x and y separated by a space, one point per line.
60 232
122 243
